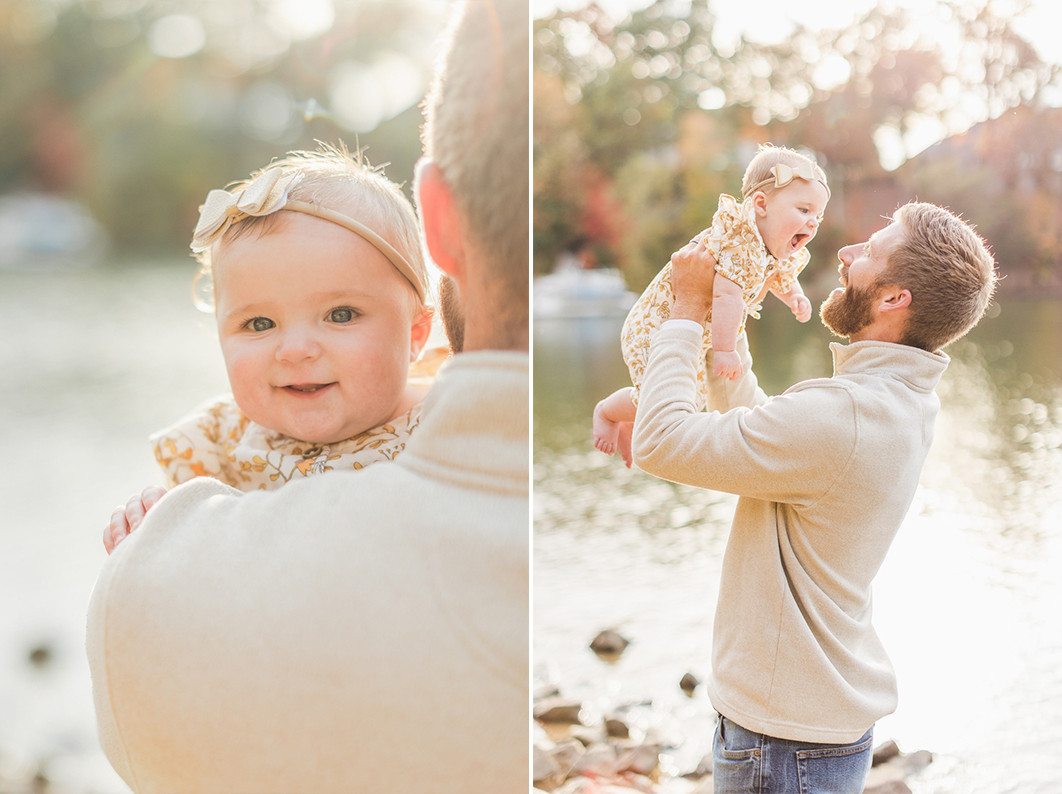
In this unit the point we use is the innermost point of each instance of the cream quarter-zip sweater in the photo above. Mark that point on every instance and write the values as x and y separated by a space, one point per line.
351 633
826 473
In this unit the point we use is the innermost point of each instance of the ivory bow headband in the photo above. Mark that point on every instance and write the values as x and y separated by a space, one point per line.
268 193
782 175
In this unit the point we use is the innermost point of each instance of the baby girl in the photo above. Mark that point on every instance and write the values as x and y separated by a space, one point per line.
758 244
319 289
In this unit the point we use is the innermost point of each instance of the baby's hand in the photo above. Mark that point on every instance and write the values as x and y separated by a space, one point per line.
801 307
727 364
127 517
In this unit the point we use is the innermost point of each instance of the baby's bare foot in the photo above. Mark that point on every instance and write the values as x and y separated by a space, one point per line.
606 432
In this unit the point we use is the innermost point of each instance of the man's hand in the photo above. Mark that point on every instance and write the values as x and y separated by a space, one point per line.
692 276
727 364
127 517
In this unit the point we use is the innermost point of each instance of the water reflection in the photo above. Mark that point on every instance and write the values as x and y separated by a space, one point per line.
966 602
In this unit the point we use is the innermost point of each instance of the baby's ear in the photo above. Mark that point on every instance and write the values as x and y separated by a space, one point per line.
420 330
759 202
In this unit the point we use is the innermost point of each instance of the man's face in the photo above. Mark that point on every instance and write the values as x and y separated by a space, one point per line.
851 308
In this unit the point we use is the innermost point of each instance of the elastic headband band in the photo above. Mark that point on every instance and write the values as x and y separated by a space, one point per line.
268 193
360 229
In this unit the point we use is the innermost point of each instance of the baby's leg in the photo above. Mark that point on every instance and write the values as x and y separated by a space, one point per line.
626 430
609 415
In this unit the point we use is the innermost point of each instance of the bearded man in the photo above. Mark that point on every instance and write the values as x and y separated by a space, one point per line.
825 474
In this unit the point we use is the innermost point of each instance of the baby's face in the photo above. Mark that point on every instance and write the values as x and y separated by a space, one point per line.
316 328
789 218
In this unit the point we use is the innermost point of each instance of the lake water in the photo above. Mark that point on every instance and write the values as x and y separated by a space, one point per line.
94 361
967 603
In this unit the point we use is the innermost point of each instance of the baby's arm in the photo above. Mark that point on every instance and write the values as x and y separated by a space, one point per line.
795 300
728 305
613 422
127 517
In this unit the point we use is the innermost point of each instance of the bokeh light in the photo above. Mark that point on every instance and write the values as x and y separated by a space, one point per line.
176 36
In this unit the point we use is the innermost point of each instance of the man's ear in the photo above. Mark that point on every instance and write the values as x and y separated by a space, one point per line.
438 214
893 298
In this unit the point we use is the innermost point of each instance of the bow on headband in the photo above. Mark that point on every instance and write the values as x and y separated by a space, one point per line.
783 174
264 195
268 193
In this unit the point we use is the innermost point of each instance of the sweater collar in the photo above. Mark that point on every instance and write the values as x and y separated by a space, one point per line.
919 368
475 422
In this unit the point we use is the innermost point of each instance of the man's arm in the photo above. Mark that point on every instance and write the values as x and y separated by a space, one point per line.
693 284
790 449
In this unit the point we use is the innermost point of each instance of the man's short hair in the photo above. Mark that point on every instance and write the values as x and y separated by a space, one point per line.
949 271
476 132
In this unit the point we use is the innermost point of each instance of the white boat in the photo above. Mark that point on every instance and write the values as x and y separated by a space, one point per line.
572 292
38 230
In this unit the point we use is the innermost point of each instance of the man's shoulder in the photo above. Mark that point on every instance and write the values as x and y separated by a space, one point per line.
825 389
824 408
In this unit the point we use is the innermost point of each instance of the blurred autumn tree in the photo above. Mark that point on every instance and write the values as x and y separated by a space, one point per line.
639 125
139 108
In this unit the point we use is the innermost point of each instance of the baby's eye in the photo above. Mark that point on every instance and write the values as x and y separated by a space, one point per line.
260 324
343 315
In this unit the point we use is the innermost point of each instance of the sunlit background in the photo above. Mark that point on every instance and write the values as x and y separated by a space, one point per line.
116 118
643 113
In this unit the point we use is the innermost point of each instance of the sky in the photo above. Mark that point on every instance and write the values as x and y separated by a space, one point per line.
769 21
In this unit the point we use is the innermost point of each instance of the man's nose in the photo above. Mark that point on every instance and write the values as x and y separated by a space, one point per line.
847 254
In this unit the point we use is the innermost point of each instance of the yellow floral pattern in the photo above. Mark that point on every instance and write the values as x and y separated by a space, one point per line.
217 440
741 256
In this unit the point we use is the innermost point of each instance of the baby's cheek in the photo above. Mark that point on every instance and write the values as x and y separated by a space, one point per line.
246 375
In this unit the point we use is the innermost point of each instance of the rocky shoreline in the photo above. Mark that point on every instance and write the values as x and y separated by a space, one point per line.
576 753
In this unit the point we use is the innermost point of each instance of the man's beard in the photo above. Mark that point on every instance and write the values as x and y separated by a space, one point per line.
849 312
452 313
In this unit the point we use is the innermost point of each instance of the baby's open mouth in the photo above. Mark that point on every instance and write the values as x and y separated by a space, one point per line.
799 240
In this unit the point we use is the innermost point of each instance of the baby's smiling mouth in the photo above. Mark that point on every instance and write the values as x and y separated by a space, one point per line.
306 388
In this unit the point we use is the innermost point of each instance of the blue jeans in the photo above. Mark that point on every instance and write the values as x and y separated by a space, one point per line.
751 763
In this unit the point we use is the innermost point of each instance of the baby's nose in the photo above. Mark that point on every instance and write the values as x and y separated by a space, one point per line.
297 345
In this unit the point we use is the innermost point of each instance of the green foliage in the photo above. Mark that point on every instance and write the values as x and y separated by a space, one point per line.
87 109
670 113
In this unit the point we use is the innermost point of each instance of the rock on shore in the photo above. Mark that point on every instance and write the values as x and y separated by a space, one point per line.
581 754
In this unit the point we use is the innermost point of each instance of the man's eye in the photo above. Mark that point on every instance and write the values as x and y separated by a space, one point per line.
261 324
341 315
